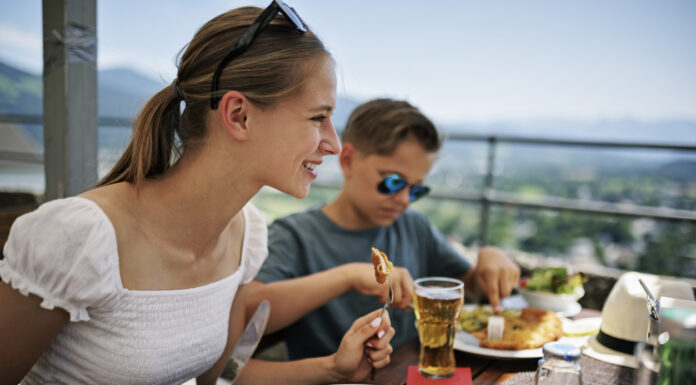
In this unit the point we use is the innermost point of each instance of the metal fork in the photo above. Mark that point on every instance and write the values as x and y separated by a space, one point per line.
386 305
391 297
496 324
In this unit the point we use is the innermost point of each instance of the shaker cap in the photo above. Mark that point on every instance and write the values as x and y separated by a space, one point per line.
562 351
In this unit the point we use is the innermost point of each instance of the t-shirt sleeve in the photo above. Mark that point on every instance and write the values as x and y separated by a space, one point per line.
256 243
283 251
443 259
63 252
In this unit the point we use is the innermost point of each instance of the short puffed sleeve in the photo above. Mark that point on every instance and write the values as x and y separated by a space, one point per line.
255 242
64 252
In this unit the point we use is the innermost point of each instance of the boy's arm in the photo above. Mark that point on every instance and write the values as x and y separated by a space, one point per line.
294 298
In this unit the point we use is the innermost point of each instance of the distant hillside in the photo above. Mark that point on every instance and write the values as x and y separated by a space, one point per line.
20 92
680 170
622 130
121 93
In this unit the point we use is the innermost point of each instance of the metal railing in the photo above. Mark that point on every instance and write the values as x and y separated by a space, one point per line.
488 196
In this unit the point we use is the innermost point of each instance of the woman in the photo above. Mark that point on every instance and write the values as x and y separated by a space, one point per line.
143 279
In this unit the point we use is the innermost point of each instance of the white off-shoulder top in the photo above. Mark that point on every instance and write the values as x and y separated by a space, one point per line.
65 252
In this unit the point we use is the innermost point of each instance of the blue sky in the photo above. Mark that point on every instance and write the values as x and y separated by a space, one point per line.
458 60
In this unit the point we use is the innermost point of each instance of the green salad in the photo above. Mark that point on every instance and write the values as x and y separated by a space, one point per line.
553 280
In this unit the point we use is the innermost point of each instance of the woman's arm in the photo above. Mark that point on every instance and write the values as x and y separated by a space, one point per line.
365 345
26 329
234 331
292 299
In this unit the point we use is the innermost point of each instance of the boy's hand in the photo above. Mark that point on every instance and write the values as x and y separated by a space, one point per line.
496 274
363 280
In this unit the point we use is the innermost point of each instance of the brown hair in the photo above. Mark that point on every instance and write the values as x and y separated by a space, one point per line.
380 125
275 67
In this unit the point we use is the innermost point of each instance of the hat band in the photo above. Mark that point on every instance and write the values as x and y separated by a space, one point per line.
618 344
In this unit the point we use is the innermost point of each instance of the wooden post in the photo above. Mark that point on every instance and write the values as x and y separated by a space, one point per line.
70 96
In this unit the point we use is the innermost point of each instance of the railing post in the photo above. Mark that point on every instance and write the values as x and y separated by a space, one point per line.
70 96
486 192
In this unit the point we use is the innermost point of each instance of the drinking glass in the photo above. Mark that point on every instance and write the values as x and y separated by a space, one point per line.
437 302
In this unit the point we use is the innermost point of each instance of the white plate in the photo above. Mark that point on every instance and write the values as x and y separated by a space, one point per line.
465 342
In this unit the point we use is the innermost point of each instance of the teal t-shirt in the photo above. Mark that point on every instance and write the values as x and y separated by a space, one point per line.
309 242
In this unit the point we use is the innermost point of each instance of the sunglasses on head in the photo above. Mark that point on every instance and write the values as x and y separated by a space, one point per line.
394 183
248 37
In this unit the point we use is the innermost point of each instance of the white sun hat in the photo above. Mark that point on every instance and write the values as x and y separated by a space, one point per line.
625 318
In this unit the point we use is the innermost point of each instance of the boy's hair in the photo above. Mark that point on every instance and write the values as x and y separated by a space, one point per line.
380 125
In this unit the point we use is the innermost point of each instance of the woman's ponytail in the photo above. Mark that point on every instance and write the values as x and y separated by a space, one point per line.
153 145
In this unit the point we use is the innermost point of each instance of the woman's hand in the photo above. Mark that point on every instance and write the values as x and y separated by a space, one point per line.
362 276
364 346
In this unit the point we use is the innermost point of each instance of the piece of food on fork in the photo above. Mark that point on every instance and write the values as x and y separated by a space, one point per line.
382 265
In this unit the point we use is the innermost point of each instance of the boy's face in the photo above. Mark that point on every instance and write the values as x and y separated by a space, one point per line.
363 173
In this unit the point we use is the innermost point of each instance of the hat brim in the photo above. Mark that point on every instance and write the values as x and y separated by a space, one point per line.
596 350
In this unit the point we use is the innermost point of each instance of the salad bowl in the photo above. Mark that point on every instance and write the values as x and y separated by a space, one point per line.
552 289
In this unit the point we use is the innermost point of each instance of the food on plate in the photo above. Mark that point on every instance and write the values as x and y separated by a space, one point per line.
477 318
382 265
528 328
554 280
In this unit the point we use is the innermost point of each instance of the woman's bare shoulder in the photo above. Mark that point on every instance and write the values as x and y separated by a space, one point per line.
117 200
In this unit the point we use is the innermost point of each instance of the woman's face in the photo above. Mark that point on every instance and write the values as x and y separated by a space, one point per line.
296 134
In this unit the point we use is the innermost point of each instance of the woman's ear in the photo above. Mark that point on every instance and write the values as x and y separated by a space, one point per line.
233 109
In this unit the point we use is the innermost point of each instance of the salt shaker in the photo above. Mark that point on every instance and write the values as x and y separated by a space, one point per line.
559 365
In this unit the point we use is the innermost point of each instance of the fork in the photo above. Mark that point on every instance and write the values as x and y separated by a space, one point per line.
381 313
496 324
391 297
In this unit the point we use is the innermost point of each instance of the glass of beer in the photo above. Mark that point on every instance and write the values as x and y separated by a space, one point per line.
437 301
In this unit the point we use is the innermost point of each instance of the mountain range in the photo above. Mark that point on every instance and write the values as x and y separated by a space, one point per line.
122 91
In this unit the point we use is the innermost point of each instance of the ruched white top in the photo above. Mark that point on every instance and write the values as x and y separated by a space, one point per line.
65 252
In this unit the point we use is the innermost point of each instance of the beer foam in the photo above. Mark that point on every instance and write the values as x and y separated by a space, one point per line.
438 293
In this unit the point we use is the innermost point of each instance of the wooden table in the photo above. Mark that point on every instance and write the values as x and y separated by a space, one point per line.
484 370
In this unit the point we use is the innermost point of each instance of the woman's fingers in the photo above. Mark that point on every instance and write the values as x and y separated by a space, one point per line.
381 340
368 326
379 358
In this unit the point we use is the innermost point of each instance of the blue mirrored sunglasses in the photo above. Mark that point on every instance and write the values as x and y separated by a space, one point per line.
394 183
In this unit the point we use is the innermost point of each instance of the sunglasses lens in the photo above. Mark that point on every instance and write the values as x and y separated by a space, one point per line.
290 13
391 184
418 192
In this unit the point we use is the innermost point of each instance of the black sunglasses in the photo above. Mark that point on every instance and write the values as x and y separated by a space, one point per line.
249 35
394 183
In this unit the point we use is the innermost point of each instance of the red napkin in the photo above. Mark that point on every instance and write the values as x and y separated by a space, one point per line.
462 376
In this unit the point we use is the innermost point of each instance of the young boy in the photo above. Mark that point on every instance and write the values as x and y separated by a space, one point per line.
322 256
